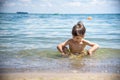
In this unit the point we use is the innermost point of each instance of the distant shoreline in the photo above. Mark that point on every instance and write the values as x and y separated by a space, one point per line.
66 13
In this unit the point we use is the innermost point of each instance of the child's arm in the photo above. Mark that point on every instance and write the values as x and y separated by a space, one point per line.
93 48
61 46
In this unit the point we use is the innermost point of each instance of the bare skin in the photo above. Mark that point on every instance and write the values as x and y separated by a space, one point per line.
77 45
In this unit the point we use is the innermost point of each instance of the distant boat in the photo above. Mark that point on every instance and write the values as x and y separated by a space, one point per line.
22 12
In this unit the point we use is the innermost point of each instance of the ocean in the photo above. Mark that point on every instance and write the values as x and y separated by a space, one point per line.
28 42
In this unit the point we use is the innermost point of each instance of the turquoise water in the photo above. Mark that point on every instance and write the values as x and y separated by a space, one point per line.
29 41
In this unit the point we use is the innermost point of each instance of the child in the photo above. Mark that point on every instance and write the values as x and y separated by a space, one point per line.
77 43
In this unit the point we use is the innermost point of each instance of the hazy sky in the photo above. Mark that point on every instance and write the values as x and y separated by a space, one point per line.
61 6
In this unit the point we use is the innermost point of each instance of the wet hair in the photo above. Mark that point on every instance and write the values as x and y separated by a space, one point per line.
78 29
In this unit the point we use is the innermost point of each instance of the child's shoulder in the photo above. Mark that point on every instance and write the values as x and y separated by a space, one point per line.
85 41
70 40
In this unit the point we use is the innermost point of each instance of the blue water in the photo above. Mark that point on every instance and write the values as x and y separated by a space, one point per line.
29 34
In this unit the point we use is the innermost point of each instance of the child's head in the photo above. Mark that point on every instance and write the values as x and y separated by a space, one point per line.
78 31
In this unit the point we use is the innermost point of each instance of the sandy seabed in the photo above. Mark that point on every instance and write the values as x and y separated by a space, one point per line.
59 76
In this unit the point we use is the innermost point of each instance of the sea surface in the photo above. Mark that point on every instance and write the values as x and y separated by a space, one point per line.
28 42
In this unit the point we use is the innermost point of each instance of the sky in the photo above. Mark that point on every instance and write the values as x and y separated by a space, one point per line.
61 6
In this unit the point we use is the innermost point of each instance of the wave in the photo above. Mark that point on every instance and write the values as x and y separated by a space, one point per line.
104 60
55 54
